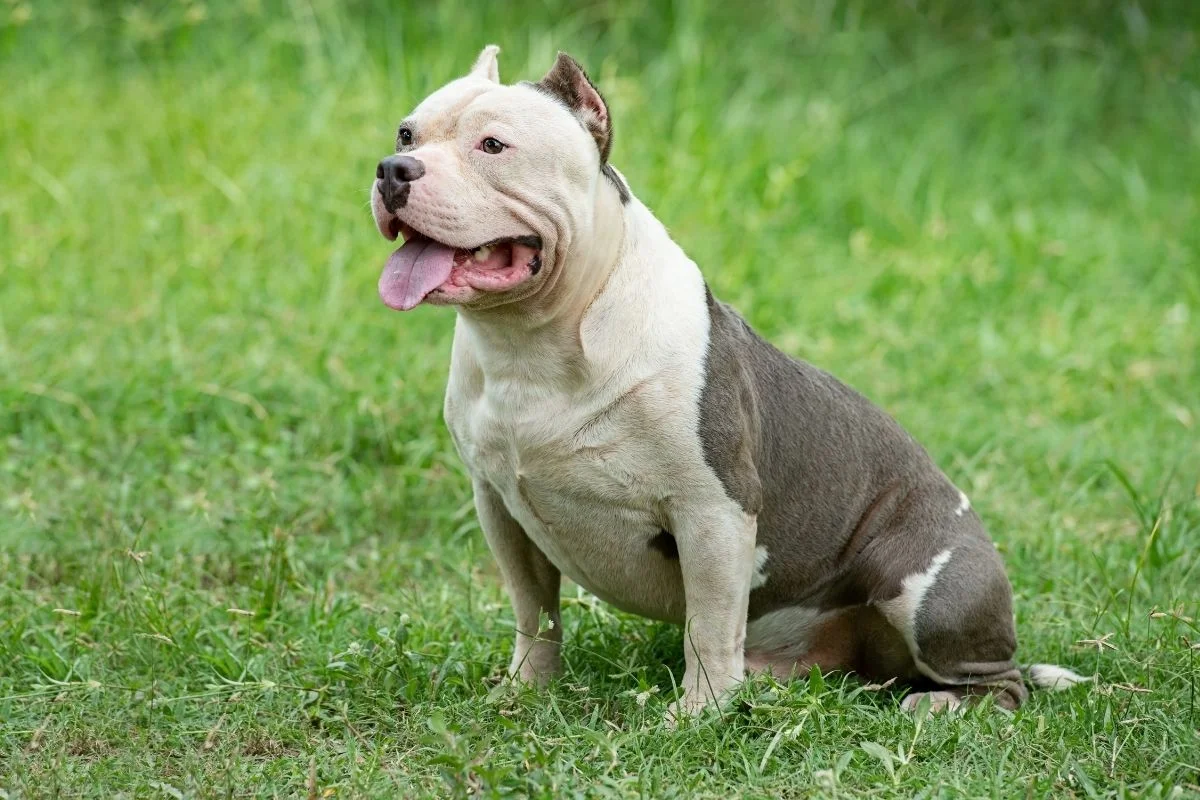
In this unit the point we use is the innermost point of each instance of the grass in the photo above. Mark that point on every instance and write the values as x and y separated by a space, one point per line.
238 556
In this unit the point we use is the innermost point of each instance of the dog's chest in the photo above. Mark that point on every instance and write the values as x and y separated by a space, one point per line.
587 477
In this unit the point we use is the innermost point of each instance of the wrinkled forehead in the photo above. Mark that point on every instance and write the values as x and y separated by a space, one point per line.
450 100
472 100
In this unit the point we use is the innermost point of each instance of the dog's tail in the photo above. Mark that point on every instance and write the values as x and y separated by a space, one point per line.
1053 677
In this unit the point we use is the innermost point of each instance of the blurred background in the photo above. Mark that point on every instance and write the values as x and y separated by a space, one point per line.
983 215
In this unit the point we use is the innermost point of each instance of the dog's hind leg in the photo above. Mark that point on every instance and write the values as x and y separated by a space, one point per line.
956 617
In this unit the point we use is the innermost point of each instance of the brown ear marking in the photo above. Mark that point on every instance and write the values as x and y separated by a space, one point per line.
567 81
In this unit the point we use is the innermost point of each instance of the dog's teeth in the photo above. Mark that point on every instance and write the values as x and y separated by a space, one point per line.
481 254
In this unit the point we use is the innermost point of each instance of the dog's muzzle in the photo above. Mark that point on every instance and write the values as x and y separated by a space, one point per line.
394 177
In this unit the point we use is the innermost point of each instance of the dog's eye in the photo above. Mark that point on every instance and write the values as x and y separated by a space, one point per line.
404 138
492 146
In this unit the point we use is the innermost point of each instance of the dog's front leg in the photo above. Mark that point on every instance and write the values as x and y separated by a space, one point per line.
716 555
533 587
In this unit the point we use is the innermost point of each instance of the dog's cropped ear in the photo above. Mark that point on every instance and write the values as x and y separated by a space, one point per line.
487 66
567 81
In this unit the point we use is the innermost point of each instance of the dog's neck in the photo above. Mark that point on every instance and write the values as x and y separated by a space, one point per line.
542 334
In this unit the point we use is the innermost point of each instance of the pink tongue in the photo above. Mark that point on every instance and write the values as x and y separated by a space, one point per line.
413 271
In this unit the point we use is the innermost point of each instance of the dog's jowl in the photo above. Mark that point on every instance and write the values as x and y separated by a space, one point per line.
624 428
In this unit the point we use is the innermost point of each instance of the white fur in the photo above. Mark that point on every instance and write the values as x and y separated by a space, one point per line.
584 464
581 459
487 65
579 412
467 197
963 504
1054 678
938 701
901 611
760 562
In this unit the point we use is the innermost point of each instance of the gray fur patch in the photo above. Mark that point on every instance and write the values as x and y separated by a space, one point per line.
622 190
848 505
847 502
729 416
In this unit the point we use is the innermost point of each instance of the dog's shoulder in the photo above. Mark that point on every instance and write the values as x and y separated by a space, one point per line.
766 417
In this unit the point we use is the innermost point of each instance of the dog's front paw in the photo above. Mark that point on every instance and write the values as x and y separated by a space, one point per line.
537 666
693 705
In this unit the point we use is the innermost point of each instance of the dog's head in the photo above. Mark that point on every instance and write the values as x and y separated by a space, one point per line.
491 186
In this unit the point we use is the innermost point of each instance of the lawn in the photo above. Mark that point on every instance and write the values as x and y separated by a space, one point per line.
238 554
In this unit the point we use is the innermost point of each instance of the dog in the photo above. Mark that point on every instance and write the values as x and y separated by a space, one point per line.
624 428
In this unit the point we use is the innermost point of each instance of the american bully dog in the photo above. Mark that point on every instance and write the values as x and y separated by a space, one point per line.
623 427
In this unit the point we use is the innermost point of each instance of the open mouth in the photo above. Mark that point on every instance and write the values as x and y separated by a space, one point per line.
423 266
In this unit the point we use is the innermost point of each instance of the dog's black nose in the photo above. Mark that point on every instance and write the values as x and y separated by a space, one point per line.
398 168
394 174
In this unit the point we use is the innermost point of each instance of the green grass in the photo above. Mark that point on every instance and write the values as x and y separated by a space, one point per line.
238 555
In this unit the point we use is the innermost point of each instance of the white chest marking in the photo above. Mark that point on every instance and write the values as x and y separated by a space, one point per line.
590 432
